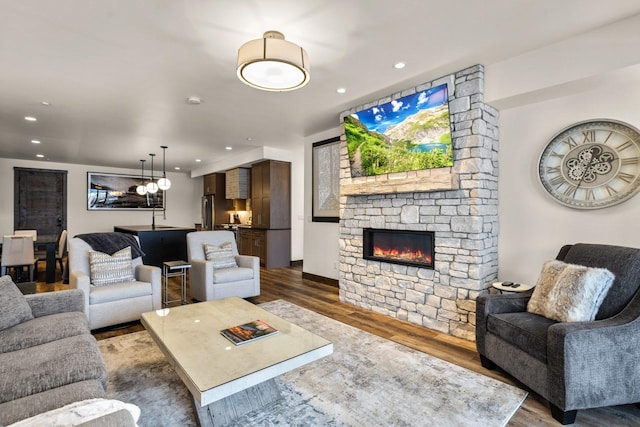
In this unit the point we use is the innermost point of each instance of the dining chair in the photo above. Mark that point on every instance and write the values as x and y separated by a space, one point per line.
17 253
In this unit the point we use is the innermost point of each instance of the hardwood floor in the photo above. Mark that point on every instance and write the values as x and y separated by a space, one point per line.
288 284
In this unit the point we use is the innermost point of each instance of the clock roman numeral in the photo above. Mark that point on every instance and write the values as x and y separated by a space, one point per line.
630 161
626 177
611 190
589 194
589 136
557 181
570 142
624 146
553 169
607 138
570 190
554 154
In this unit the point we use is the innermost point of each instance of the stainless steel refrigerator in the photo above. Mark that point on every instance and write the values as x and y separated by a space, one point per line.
208 212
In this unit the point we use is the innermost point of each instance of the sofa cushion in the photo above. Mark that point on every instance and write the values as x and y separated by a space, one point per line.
108 269
526 331
221 255
568 292
15 308
47 366
28 406
235 274
119 291
80 412
42 330
623 262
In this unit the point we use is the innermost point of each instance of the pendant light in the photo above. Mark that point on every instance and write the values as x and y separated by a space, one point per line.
164 182
141 189
152 187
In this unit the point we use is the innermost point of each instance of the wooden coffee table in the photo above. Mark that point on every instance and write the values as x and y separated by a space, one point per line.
228 381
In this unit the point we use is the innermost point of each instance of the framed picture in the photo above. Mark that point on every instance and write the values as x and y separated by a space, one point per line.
110 191
325 203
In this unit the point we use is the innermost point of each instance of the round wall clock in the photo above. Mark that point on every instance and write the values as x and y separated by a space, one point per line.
592 164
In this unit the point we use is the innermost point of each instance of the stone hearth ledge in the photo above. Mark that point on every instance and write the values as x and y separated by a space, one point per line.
406 182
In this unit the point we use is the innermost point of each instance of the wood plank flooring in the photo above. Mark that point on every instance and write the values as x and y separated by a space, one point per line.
288 284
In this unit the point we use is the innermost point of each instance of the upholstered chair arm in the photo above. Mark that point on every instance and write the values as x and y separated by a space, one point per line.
248 261
487 304
592 361
151 274
48 303
79 280
201 271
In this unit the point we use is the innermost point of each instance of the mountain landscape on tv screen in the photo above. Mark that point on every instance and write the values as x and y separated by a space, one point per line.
409 133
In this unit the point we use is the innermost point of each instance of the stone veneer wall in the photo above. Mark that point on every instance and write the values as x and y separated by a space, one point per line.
463 215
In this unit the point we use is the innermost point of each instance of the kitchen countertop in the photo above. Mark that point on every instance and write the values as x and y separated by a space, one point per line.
136 228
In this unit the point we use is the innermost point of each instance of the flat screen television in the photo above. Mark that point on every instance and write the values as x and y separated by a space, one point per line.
408 133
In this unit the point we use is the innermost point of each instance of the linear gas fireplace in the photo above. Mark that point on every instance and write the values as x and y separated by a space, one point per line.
405 247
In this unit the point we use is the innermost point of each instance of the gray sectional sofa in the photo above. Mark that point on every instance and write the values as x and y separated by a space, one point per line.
48 357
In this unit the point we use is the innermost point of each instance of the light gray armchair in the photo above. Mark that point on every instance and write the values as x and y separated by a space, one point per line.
573 365
208 283
116 303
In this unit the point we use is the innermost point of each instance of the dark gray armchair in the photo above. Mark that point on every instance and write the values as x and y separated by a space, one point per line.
575 365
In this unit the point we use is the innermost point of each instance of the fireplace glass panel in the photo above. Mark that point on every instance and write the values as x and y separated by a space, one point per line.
405 247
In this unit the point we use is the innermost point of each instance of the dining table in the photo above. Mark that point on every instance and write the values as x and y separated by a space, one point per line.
48 242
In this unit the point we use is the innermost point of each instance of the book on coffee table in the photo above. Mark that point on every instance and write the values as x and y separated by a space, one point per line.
242 334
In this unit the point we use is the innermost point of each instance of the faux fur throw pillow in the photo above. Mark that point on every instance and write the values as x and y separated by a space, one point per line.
568 292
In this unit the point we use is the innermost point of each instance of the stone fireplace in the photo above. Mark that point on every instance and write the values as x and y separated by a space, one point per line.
458 204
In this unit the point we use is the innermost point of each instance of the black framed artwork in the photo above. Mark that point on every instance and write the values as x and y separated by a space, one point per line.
110 191
325 203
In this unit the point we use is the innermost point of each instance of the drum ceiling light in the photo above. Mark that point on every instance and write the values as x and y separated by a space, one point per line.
273 64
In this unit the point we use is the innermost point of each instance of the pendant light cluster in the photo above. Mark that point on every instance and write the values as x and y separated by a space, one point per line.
152 187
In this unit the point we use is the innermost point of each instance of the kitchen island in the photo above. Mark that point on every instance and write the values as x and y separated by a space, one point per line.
159 244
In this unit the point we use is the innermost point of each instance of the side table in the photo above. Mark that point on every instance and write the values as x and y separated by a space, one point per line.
522 287
175 269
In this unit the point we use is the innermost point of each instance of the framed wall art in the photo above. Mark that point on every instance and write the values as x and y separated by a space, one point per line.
325 202
109 191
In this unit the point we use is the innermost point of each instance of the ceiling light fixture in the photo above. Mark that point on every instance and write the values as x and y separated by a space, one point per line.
228 148
399 65
341 90
40 155
31 119
273 64
35 141
152 187
164 182
194 100
141 189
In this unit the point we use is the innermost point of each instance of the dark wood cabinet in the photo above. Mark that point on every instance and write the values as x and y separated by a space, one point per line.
273 247
271 194
209 184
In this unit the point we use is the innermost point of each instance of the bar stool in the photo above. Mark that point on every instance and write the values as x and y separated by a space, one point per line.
175 269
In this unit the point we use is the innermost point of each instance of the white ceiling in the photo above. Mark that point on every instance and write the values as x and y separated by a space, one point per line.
118 72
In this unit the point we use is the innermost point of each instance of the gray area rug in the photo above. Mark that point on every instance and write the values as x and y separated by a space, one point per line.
367 381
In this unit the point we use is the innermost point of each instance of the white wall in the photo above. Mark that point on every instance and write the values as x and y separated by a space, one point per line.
298 188
183 199
533 226
321 251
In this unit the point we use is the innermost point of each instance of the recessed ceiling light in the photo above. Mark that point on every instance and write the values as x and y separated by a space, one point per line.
30 119
194 100
198 160
399 65
45 103
249 139
177 168
341 90
228 148
35 141
40 155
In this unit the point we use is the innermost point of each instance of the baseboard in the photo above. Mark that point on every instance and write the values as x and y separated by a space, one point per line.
296 263
321 279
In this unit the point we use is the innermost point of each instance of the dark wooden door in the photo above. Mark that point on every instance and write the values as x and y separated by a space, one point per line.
40 200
